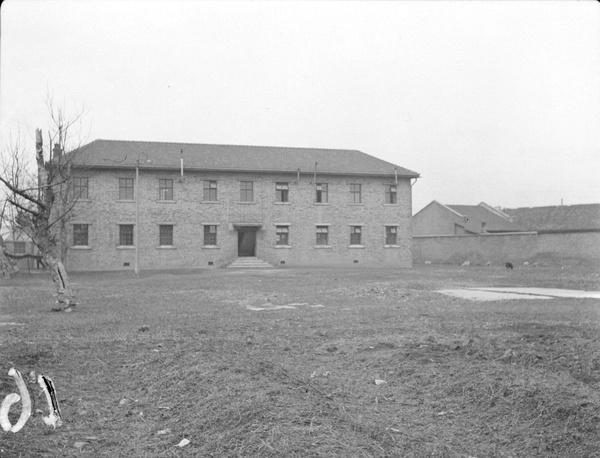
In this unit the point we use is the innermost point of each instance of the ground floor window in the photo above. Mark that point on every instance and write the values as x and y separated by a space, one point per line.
355 235
322 235
165 235
282 237
19 247
126 235
80 235
210 235
391 235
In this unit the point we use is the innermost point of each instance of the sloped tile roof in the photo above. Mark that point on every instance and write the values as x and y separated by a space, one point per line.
563 217
124 154
477 214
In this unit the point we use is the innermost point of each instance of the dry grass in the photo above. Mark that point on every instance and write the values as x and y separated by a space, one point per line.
145 362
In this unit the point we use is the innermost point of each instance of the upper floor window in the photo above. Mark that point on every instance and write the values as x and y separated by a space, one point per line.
355 235
322 235
355 194
391 194
80 235
165 235
165 189
210 190
281 192
322 193
282 237
80 188
246 191
391 235
125 188
210 235
126 235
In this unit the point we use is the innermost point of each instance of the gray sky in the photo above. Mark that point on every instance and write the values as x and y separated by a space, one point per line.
488 101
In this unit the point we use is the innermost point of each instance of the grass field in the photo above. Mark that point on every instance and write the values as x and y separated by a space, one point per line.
208 356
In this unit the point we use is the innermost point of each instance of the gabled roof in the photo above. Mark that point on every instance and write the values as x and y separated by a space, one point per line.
436 202
478 214
471 217
563 217
124 154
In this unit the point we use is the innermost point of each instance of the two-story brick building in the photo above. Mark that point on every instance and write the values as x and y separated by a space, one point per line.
206 205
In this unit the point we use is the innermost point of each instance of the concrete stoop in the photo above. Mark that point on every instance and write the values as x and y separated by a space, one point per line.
249 262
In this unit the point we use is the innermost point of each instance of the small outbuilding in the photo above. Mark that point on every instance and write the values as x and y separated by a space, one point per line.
439 219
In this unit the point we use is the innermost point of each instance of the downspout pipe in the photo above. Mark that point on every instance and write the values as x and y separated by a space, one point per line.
181 162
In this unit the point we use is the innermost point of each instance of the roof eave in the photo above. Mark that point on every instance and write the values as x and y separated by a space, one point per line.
235 170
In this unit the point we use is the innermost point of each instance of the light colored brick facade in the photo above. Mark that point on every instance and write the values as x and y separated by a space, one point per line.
189 213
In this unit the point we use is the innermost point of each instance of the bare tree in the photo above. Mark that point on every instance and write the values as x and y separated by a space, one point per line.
42 201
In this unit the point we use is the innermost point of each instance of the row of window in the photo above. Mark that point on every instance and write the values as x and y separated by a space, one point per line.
391 235
282 235
282 191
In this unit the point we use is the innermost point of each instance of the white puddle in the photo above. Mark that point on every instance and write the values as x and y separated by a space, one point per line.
269 306
477 295
554 292
509 293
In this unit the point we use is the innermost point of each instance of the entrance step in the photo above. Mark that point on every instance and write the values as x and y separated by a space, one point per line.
249 262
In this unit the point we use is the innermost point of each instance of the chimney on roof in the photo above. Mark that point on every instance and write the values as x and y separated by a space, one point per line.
56 151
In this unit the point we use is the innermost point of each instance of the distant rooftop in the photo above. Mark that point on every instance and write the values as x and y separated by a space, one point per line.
234 158
482 213
562 217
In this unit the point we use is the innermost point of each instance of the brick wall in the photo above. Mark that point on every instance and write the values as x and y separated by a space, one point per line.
188 213
500 248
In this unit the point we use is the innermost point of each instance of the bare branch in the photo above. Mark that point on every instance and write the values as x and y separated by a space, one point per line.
25 209
22 193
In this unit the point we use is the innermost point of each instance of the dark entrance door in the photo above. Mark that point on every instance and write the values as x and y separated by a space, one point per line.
246 241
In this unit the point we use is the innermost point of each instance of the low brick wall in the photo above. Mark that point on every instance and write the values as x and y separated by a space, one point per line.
579 245
500 248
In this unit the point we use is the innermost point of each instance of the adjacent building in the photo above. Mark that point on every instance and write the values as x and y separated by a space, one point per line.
439 219
173 205
482 234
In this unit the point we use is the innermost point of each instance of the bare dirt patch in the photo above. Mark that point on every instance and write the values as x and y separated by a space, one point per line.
386 368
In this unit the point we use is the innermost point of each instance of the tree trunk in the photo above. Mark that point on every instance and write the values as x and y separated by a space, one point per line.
65 299
39 215
41 231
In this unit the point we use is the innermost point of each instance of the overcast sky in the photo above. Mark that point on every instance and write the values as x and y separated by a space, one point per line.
489 101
